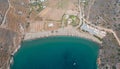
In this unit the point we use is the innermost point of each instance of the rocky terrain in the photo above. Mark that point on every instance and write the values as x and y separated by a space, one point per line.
11 32
3 9
106 13
9 40
109 52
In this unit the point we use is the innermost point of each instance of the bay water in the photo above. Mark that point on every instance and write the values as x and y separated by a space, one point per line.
58 52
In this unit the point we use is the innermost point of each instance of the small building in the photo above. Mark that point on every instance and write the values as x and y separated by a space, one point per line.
69 21
118 66
32 1
42 0
50 25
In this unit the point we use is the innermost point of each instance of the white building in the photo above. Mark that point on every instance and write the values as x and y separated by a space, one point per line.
118 66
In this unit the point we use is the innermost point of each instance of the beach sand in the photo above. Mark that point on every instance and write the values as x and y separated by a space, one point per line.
67 31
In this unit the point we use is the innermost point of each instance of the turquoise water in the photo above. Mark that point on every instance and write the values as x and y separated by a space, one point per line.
57 53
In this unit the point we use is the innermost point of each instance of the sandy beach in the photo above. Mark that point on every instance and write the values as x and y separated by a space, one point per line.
67 31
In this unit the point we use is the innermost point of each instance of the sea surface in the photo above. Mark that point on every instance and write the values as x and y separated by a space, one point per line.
59 52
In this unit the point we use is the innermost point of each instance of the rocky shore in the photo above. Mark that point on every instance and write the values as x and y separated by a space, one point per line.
11 61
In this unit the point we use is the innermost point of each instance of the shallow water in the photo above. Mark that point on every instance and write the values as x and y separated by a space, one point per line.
57 53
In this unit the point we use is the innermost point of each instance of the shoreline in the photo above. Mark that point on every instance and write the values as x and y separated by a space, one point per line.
12 55
68 31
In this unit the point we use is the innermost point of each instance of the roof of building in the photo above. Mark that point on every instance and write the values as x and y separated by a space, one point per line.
93 30
118 66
